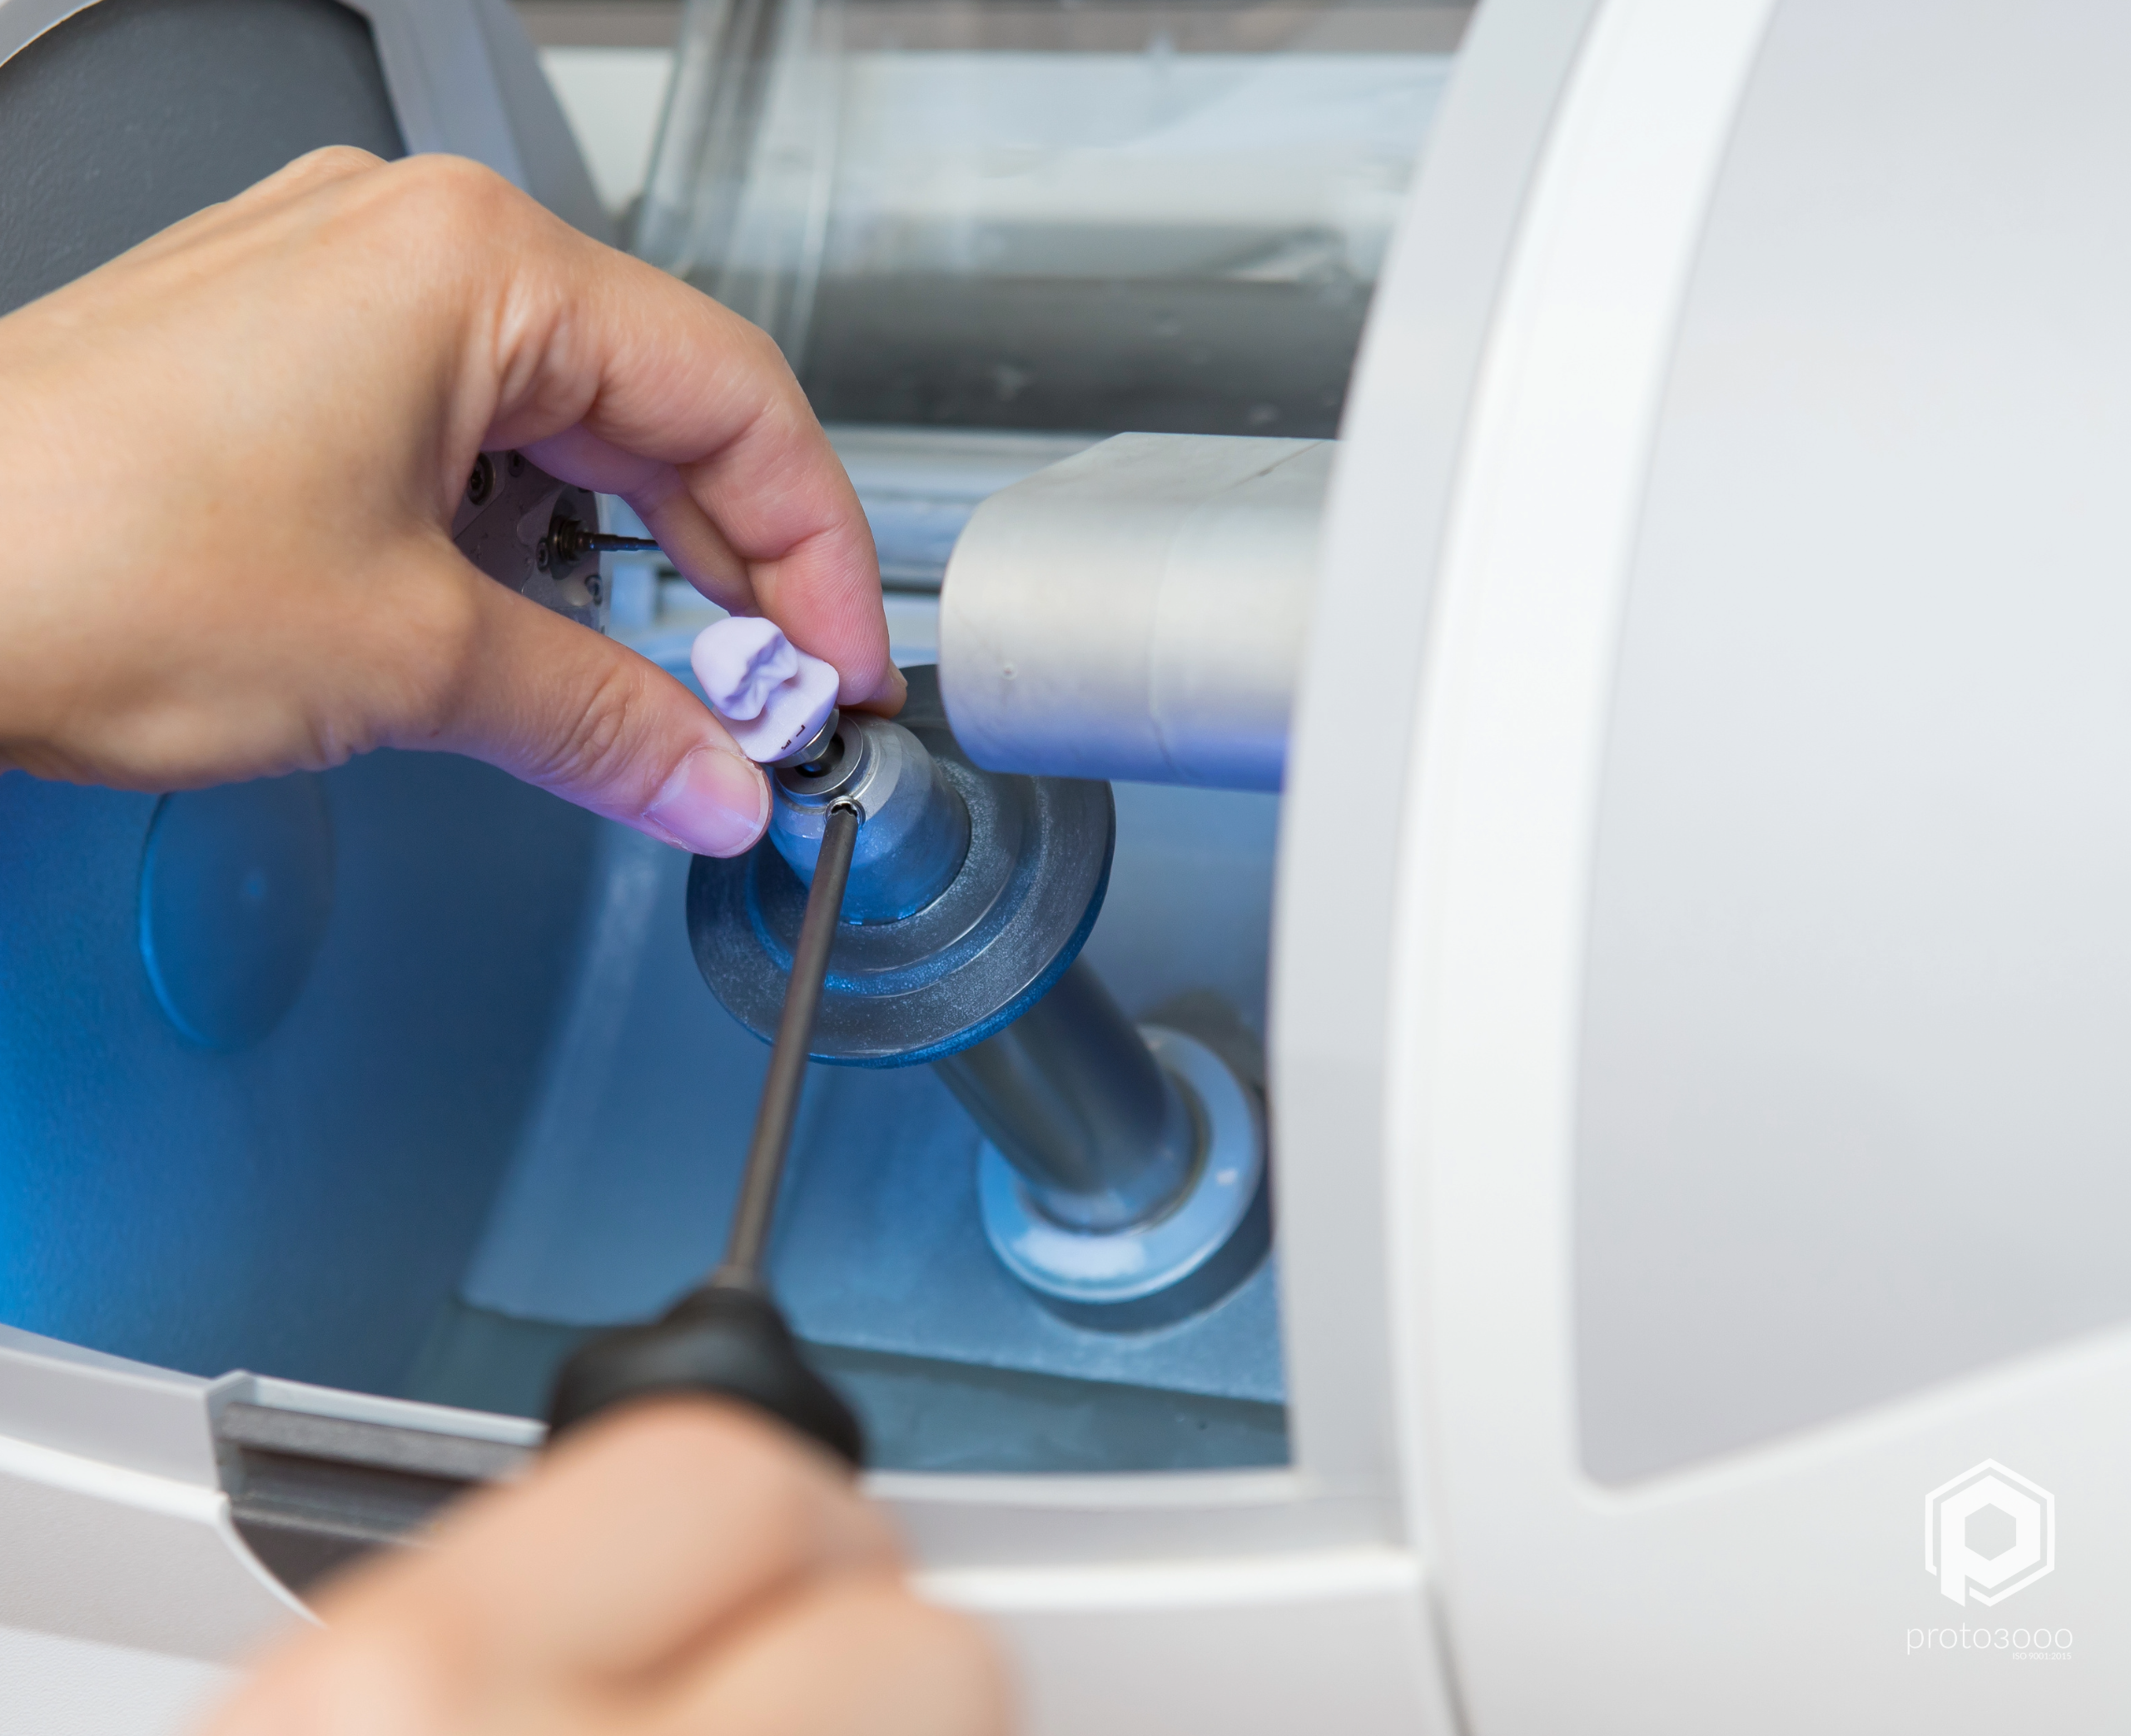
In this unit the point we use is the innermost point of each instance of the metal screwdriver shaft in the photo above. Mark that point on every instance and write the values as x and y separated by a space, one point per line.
569 542
787 1056
728 1339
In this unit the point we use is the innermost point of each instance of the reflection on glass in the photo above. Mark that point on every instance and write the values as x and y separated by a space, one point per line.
1049 215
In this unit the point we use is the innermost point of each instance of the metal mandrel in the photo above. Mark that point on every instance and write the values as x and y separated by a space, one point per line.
570 541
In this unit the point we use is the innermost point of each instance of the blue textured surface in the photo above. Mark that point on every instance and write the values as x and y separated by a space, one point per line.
304 1206
895 1149
620 1196
503 1071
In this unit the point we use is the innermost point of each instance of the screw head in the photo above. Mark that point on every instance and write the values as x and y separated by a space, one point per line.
540 556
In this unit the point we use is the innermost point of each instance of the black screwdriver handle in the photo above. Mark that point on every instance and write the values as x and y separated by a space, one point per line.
722 1340
728 1337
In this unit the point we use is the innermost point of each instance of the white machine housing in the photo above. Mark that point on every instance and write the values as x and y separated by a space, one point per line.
1137 610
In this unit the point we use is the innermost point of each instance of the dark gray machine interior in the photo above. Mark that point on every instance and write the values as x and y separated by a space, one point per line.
135 113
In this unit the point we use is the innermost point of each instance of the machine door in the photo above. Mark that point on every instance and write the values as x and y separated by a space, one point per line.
1764 969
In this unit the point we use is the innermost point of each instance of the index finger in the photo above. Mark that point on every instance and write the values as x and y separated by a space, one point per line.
621 378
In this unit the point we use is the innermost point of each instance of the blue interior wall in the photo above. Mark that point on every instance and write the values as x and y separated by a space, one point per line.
301 1207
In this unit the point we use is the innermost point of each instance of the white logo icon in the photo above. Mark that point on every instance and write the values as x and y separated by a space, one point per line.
1963 1570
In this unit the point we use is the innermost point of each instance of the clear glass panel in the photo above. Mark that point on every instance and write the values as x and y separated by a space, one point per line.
1052 215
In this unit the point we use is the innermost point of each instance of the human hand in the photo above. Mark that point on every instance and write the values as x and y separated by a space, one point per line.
680 1568
233 454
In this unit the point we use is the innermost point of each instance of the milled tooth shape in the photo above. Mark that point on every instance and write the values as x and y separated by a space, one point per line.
770 694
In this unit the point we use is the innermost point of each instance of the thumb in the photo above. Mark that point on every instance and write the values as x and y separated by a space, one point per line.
573 712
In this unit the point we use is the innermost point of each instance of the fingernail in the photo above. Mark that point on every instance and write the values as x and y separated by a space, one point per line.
715 804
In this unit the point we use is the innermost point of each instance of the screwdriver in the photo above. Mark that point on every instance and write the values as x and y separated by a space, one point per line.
728 1338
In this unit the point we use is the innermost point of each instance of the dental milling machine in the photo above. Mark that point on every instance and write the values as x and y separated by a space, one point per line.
1466 1044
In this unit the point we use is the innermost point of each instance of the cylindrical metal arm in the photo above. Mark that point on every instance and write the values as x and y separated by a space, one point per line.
1137 612
916 830
1071 1095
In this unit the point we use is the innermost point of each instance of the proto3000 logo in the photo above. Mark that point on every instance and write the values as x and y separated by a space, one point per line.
1988 1533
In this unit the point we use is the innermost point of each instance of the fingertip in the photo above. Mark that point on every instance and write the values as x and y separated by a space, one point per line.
889 694
716 803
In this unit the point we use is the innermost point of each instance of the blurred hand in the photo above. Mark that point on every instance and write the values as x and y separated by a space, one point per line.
233 456
681 1568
